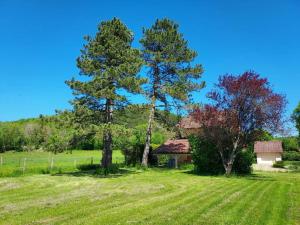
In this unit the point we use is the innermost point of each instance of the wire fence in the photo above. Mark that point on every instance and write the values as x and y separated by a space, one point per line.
43 163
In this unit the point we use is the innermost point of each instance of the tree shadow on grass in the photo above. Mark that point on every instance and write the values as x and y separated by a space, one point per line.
253 176
261 177
92 170
203 174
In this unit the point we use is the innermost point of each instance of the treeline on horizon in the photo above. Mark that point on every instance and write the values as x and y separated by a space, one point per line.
43 132
60 132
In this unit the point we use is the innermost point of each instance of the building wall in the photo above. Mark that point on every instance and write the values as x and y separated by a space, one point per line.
180 158
268 158
184 158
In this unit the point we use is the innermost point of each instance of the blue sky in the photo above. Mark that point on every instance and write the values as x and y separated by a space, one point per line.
40 41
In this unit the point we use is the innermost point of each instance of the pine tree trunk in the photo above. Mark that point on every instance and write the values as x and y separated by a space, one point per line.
148 134
107 137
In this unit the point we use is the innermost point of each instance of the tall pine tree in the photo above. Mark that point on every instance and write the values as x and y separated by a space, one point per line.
111 66
170 73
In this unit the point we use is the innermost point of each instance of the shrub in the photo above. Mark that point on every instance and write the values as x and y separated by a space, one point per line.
290 144
112 169
243 162
97 169
162 160
134 154
87 167
291 156
279 164
206 158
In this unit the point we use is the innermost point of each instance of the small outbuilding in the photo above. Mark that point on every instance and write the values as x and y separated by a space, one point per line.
268 152
178 152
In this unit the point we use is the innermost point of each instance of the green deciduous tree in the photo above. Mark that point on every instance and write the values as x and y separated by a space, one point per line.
11 137
296 117
111 65
170 72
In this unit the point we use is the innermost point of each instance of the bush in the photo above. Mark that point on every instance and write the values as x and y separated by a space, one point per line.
87 167
243 162
134 154
279 164
207 160
205 156
112 169
98 170
162 160
291 156
290 144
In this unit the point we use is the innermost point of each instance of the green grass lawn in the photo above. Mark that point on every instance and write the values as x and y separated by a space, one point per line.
40 162
155 196
292 165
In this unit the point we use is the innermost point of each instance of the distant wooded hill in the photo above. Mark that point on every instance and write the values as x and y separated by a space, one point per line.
61 131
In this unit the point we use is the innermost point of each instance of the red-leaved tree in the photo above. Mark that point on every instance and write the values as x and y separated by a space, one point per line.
241 106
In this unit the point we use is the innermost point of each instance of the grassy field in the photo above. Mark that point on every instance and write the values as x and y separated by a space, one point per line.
155 196
67 195
19 163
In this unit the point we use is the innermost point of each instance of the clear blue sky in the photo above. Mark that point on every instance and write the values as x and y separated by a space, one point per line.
40 41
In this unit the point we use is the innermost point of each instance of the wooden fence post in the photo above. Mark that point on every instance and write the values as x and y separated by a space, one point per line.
52 162
92 160
49 158
24 165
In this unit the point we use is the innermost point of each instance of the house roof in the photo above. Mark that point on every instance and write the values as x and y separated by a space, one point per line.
189 123
179 146
268 146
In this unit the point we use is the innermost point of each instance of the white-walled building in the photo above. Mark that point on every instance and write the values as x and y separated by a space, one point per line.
268 152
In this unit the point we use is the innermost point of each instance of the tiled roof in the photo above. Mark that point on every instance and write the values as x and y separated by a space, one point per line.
189 123
179 146
268 146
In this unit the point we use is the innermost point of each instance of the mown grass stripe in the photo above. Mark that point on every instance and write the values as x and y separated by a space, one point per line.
72 205
244 208
172 207
199 213
169 205
154 197
278 211
113 203
153 203
259 215
188 208
140 200
230 203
